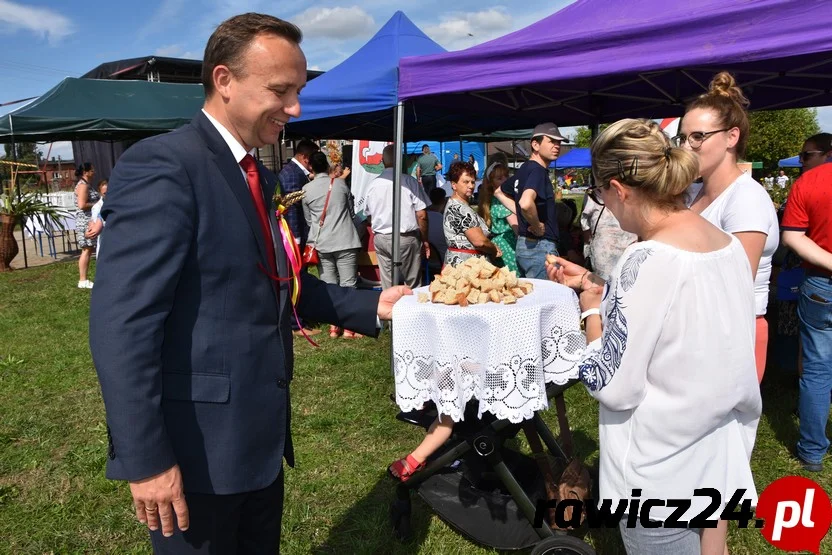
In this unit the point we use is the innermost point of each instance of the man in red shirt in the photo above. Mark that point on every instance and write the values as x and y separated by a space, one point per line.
807 230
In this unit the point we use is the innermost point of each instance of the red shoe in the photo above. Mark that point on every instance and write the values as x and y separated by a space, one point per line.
403 469
334 331
348 334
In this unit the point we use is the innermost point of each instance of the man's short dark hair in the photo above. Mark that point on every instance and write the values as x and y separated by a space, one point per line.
437 195
425 147
306 148
232 38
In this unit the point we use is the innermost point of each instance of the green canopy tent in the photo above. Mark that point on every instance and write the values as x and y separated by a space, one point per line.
102 110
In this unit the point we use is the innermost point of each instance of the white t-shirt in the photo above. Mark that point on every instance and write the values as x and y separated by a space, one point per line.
674 374
745 206
378 203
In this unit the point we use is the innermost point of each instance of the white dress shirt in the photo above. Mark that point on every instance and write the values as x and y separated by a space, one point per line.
378 203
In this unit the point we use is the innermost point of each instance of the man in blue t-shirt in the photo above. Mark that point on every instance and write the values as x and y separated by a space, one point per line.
534 199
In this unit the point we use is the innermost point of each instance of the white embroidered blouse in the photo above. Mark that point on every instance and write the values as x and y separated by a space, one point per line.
675 377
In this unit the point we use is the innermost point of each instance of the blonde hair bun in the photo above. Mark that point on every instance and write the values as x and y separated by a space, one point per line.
724 84
637 153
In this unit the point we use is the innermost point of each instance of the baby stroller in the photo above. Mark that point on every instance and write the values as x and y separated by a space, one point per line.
489 492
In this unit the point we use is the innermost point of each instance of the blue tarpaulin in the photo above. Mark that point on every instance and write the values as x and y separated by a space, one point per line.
793 162
575 158
445 152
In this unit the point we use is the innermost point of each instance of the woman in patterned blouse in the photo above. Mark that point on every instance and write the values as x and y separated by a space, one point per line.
501 220
466 233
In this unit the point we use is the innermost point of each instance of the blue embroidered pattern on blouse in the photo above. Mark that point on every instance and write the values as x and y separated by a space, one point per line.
599 368
629 271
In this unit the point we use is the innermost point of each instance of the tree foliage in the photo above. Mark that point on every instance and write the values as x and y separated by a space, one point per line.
26 152
779 134
583 137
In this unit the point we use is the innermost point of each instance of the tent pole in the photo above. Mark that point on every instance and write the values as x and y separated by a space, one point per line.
397 192
593 133
19 195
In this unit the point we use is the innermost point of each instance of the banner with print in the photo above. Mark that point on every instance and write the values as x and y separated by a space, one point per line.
366 166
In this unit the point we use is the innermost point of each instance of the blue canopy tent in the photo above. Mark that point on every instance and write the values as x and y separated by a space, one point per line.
575 158
356 98
793 162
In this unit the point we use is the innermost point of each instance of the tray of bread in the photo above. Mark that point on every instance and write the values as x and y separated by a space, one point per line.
475 281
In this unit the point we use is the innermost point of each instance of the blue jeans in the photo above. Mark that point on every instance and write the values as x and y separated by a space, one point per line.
531 256
659 541
814 310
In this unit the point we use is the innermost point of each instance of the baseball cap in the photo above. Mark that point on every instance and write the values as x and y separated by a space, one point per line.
549 130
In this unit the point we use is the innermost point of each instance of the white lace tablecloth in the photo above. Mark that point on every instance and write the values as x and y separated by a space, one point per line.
501 355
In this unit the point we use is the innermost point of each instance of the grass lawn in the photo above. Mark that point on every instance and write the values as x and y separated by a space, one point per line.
54 498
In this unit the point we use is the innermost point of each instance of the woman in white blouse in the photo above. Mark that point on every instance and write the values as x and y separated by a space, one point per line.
716 128
671 344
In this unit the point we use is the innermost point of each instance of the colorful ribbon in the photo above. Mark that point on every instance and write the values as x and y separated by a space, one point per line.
290 246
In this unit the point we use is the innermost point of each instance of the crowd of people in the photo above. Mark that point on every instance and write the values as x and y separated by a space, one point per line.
671 261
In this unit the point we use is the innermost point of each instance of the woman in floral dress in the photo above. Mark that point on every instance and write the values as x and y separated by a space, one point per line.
500 218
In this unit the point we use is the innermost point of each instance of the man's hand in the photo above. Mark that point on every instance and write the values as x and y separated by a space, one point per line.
539 230
157 498
388 298
426 249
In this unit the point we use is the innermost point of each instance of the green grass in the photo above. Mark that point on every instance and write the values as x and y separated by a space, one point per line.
54 497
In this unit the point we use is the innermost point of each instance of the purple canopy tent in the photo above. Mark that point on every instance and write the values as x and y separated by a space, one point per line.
598 61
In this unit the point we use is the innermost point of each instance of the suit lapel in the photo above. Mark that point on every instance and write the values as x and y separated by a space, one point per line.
233 177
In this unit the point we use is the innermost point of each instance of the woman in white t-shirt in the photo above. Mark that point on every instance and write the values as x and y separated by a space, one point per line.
670 354
715 126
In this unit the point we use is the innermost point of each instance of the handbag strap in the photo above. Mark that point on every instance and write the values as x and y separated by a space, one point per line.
326 202
323 214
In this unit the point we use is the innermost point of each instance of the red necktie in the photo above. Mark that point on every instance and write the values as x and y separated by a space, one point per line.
253 177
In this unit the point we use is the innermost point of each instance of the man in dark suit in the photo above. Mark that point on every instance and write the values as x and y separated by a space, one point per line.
292 177
197 358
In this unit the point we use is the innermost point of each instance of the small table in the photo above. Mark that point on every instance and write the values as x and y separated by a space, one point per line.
501 355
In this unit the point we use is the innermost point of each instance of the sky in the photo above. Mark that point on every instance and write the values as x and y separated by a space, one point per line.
43 41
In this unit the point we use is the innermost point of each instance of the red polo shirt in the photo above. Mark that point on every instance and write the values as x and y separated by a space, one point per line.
809 209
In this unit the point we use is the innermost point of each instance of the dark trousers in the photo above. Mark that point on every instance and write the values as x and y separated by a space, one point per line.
428 183
238 524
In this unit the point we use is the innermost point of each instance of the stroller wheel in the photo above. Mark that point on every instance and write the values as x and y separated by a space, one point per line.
400 519
562 545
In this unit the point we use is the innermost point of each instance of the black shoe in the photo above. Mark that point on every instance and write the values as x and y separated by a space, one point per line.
809 466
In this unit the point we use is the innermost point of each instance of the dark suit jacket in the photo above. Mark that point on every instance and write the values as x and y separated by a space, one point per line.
293 179
190 338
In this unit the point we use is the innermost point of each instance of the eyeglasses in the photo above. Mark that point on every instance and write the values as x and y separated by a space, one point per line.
592 192
624 175
696 138
808 154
